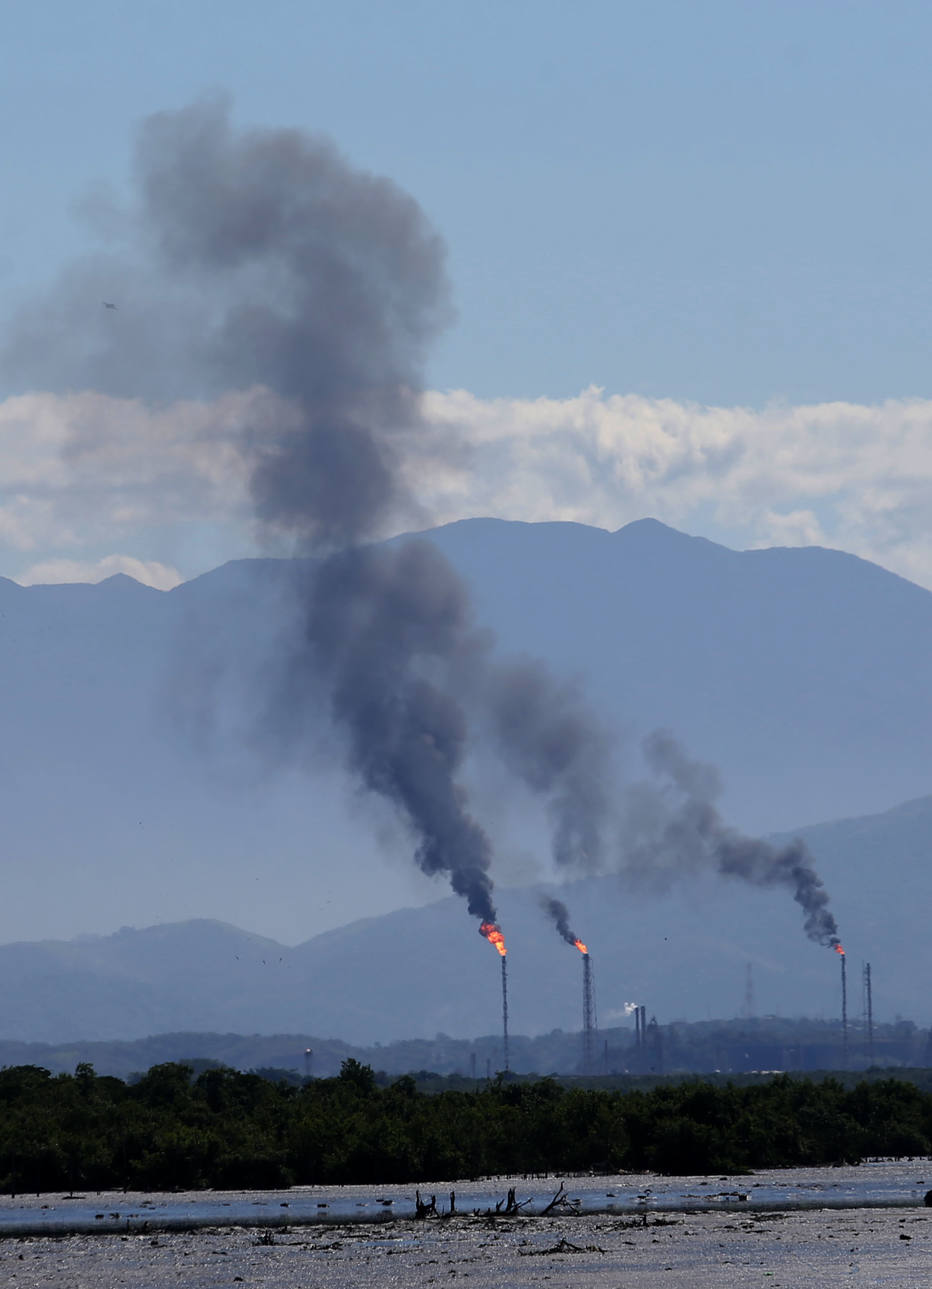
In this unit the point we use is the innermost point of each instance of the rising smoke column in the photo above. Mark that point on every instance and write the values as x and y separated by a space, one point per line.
261 260
357 290
692 833
376 614
342 288
553 742
328 285
557 911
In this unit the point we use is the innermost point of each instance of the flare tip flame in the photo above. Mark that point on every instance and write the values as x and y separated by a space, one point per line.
493 933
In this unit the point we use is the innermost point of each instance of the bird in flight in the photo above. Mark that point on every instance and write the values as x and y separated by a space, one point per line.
108 305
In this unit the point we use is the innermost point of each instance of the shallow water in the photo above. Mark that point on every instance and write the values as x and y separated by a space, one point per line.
899 1183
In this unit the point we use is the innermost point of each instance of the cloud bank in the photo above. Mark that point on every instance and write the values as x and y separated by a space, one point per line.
89 477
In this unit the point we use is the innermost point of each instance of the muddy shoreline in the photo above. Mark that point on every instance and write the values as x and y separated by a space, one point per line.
819 1247
139 1223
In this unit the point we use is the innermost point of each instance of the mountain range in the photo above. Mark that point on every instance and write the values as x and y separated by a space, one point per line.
137 789
691 953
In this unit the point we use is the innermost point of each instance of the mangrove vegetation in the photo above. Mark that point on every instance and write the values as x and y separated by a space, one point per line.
174 1127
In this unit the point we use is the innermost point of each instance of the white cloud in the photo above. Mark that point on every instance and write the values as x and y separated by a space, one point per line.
838 474
149 572
84 474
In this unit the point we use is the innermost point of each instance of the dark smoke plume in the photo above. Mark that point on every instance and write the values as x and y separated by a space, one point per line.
343 285
262 261
553 742
692 833
379 618
331 285
560 914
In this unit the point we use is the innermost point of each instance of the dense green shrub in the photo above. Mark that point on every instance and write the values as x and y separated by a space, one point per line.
222 1128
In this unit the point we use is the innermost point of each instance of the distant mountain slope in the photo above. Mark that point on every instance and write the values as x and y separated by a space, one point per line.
804 674
416 973
134 787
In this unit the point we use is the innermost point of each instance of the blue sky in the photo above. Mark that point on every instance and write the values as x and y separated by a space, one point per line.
705 205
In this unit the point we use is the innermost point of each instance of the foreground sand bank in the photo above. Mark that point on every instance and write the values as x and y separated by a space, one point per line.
817 1248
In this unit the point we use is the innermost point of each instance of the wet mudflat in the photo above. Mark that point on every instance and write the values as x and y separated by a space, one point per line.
873 1184
708 1250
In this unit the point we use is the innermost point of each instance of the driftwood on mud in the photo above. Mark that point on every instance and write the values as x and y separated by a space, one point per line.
565 1246
507 1207
510 1206
561 1201
422 1209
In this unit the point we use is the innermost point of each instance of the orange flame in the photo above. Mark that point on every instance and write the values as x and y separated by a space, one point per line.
494 936
839 949
581 947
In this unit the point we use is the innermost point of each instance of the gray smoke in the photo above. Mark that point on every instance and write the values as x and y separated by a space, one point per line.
331 282
343 286
262 260
380 621
689 832
549 737
560 914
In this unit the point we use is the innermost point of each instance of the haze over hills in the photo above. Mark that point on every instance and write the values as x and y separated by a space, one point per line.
419 972
804 674
136 787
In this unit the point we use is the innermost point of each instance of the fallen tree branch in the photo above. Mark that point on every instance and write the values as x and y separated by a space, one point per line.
511 1206
565 1246
423 1210
562 1201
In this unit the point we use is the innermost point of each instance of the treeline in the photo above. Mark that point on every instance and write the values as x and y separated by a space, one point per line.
676 1048
172 1128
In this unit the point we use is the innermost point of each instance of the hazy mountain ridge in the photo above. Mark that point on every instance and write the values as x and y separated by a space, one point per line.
804 674
133 788
418 972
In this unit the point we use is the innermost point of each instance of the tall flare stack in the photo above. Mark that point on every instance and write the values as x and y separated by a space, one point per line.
493 933
844 1006
558 911
505 1013
588 1016
588 1009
